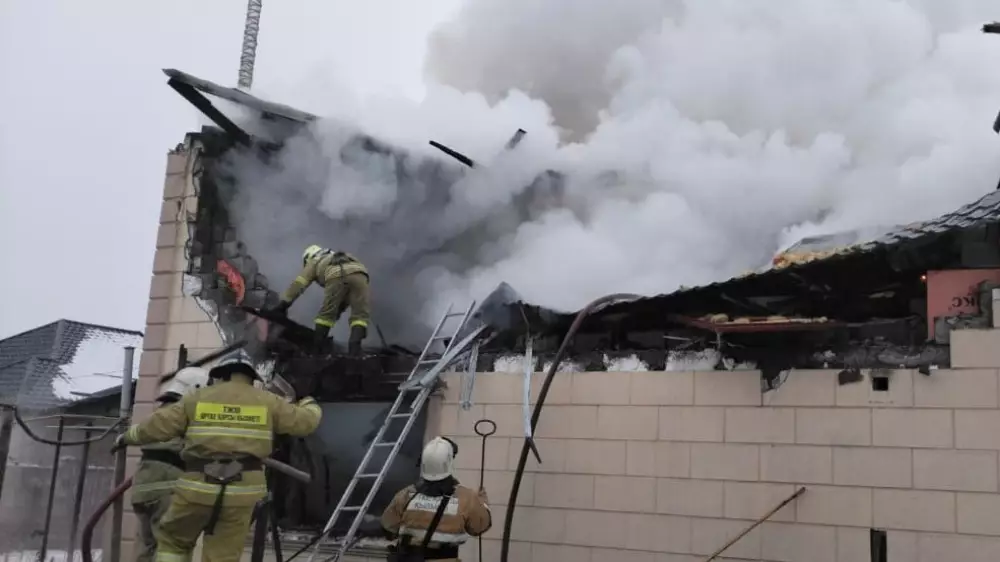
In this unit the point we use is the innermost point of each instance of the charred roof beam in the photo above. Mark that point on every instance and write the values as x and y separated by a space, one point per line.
204 105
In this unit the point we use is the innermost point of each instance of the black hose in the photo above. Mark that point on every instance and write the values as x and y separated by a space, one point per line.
519 473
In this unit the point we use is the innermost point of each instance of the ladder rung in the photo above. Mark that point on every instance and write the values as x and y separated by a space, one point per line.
386 444
351 508
436 338
454 314
428 361
403 415
369 475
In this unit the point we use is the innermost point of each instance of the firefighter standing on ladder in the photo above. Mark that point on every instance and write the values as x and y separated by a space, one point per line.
227 428
345 284
159 466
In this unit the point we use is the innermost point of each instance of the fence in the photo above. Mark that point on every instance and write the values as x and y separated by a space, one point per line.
49 491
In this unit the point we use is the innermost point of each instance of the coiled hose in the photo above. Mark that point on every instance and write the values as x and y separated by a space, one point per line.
563 347
87 535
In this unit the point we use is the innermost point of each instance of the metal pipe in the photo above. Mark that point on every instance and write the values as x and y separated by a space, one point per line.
526 446
52 495
125 411
6 430
78 500
763 518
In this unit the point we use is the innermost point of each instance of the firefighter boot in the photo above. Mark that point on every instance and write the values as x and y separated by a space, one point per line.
320 337
358 333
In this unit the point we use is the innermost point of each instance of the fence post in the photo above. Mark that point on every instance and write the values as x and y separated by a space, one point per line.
125 411
6 430
81 481
52 492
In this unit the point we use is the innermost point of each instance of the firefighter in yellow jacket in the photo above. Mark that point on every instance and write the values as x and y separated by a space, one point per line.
345 284
159 466
227 428
412 511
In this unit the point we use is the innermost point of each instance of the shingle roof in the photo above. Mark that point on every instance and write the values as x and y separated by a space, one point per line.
63 361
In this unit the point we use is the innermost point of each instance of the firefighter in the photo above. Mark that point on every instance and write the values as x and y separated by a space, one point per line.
160 465
227 428
345 284
413 510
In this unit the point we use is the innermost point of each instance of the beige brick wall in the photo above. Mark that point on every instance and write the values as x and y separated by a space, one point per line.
666 466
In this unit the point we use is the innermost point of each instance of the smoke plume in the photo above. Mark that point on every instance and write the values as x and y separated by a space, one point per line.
692 140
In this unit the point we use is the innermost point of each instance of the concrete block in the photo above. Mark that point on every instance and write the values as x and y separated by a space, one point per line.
496 453
805 388
619 555
977 429
177 162
627 422
680 423
560 391
786 542
727 388
956 388
979 514
498 484
964 471
937 548
835 505
875 467
586 456
166 235
912 428
655 388
914 510
861 394
550 553
833 426
975 349
599 387
709 534
158 311
150 363
760 425
170 211
658 458
182 334
633 494
683 496
575 491
502 388
751 500
658 533
796 464
854 545
901 546
572 422
154 338
208 336
725 461
534 524
552 451
508 417
597 528
162 285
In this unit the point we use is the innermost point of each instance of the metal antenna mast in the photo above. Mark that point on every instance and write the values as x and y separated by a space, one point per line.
248 54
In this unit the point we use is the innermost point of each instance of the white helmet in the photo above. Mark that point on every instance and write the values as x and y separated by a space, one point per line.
185 381
311 252
236 362
438 459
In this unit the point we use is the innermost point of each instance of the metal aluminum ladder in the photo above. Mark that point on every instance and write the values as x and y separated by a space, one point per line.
418 385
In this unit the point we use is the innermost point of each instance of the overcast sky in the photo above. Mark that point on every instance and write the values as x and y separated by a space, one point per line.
87 120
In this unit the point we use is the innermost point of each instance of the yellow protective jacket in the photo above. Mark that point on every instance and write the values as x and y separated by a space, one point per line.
411 513
223 421
154 479
329 268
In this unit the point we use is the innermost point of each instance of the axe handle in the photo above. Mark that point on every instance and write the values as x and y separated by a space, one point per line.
287 470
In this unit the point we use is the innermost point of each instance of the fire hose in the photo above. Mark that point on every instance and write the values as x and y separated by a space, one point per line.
87 535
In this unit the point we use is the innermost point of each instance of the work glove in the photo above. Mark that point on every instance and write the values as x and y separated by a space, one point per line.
119 443
281 309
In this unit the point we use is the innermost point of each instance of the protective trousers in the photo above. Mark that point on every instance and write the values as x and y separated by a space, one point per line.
149 515
348 291
184 522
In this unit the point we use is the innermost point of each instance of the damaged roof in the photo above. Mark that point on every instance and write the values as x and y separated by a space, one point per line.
63 361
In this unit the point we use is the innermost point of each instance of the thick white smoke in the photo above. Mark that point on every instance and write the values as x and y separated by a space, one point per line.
696 137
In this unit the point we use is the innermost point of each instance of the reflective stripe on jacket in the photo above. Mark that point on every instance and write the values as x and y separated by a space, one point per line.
224 421
154 480
410 514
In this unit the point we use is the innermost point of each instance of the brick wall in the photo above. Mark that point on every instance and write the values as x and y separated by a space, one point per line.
666 466
171 318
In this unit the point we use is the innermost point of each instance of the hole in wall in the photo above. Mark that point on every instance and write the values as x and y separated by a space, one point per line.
879 545
880 383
